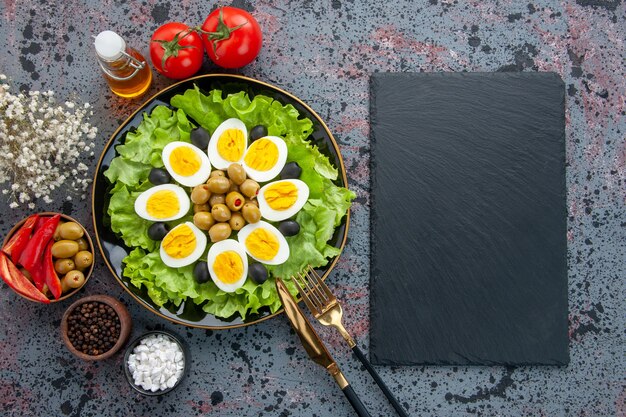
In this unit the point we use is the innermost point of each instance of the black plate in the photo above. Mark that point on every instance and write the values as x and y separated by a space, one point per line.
113 249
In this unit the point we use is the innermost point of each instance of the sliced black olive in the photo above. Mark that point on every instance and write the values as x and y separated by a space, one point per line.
257 273
258 132
289 228
159 176
201 272
200 138
158 231
290 170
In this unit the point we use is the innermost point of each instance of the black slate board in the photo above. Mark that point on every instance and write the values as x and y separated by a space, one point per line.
468 219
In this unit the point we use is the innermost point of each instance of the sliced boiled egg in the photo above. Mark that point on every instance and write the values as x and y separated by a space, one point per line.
162 203
265 158
228 265
187 164
280 200
264 243
228 143
183 245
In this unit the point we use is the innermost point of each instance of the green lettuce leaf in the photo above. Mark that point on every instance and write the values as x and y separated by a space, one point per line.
318 219
132 228
129 171
161 127
122 170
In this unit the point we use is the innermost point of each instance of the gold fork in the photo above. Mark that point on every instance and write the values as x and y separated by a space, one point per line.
327 310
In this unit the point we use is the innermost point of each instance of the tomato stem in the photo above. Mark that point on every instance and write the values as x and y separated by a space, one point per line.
222 32
172 47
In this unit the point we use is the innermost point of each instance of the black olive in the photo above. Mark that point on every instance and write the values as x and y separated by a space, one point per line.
289 228
200 138
257 273
258 132
159 176
290 170
158 231
201 272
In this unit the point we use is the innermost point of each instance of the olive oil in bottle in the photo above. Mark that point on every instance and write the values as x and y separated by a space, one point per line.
125 70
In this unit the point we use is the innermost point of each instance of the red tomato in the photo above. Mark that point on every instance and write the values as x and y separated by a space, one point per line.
232 37
176 50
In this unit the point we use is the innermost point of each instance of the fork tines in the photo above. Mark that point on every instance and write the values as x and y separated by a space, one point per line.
315 293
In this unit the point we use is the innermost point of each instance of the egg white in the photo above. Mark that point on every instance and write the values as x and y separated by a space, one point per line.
199 177
283 246
214 156
263 176
223 246
181 195
201 241
277 215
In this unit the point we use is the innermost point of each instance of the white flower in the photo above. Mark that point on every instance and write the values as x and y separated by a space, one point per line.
39 140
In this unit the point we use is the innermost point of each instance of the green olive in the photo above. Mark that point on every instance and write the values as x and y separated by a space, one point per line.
46 291
217 173
251 213
237 221
253 201
63 266
220 213
64 249
234 201
219 231
204 220
236 173
83 260
249 188
197 208
64 287
57 233
218 185
71 231
200 194
82 244
233 187
74 279
217 199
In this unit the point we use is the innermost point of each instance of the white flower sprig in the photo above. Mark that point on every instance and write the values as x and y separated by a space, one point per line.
41 146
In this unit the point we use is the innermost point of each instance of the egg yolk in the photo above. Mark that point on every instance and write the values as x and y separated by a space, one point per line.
228 267
262 244
185 161
163 204
231 144
281 196
262 155
180 242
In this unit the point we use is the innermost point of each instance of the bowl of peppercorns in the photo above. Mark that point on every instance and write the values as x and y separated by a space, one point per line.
96 327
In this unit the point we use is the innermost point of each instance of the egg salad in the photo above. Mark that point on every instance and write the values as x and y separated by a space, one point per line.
236 196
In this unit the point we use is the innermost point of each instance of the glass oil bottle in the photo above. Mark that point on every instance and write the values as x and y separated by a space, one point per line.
124 68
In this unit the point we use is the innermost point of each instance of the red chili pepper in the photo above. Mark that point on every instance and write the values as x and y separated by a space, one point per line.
33 253
40 222
38 276
19 240
52 280
18 282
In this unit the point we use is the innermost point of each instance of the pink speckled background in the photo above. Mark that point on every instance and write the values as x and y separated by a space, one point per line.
323 52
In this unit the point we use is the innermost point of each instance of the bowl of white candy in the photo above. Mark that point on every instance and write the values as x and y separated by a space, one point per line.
155 362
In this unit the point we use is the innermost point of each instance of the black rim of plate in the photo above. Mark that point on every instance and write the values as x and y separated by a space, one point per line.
112 247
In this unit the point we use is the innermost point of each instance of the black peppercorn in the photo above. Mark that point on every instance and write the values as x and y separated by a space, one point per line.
93 328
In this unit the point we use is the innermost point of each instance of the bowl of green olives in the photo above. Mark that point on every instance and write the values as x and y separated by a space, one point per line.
72 254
